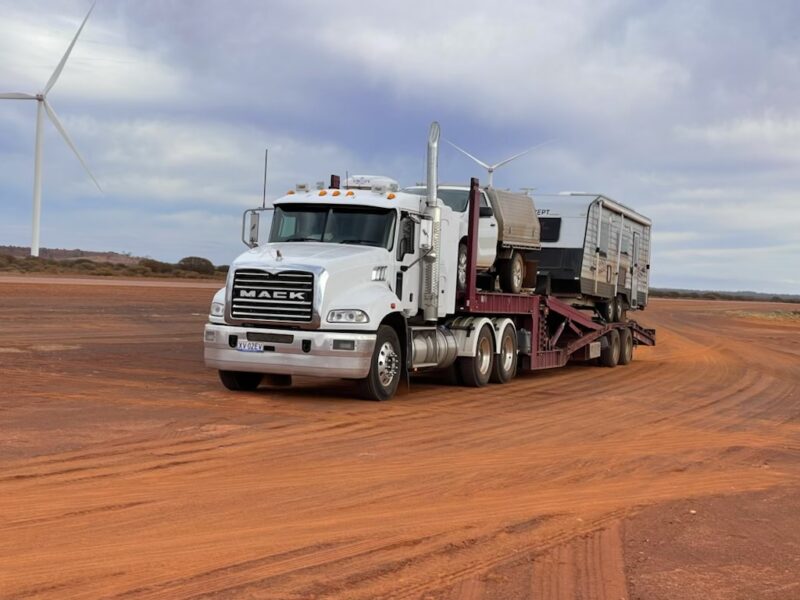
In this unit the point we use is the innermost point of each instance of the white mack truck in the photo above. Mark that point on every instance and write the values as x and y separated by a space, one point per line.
372 284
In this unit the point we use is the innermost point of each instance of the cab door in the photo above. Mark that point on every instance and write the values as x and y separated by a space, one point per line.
487 234
406 278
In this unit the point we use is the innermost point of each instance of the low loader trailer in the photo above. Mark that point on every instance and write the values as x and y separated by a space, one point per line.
369 285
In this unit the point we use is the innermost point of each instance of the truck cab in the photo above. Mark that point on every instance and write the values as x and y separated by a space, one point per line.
337 265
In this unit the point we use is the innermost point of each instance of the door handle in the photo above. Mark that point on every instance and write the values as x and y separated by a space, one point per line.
492 225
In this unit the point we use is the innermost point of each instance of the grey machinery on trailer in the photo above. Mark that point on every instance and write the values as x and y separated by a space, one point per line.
595 252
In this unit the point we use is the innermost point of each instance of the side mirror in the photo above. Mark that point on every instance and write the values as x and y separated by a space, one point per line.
426 234
252 238
406 243
251 224
486 211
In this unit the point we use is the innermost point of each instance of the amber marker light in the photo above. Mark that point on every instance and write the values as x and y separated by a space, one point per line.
336 193
350 193
323 192
390 196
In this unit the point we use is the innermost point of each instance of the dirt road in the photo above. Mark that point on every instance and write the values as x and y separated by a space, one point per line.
126 471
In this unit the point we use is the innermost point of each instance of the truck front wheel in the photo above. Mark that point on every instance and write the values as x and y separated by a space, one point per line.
385 366
240 381
476 370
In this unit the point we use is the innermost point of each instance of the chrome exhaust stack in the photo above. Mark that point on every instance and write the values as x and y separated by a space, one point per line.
430 276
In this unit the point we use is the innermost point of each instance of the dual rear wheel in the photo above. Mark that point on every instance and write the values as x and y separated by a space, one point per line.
486 366
614 311
616 348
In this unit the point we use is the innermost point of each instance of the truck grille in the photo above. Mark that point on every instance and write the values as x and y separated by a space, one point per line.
262 296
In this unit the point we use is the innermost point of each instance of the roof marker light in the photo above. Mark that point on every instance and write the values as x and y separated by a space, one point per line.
350 193
336 193
323 192
290 193
390 196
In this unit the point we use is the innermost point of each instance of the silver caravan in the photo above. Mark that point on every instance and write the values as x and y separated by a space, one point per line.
595 251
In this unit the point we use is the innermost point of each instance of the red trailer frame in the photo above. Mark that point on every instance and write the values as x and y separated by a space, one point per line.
558 330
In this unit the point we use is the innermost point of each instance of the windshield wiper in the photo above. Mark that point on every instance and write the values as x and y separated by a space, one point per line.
301 239
359 242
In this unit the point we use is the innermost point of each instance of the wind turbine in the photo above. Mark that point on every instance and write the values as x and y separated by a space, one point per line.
492 168
43 106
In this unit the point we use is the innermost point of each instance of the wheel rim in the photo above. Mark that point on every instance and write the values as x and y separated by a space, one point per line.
388 364
517 274
484 355
462 269
507 354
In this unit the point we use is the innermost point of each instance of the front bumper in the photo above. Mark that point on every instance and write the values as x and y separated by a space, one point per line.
289 358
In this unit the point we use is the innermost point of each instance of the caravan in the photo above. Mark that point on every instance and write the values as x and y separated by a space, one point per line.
595 251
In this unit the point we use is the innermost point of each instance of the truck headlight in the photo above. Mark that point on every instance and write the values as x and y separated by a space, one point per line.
217 309
348 316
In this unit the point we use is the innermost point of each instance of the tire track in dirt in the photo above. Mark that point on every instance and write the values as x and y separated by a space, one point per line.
169 487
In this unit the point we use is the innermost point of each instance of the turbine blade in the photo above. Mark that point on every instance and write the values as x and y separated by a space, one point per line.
51 113
477 160
54 77
523 153
16 96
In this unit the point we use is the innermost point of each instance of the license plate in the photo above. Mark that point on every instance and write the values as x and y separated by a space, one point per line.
245 346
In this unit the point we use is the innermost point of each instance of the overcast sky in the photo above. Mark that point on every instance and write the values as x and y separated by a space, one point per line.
688 111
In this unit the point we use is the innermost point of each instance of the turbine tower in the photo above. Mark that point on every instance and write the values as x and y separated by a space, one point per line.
42 107
492 168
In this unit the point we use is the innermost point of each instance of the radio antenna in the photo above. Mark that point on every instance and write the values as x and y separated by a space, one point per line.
264 195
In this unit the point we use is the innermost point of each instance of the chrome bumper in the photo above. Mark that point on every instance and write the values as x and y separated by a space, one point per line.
289 358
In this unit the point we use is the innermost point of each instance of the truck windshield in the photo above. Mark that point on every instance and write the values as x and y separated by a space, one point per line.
334 225
455 199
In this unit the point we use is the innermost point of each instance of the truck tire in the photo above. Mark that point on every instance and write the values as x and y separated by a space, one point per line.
476 370
385 367
609 351
605 310
240 381
622 310
462 267
505 363
625 346
512 273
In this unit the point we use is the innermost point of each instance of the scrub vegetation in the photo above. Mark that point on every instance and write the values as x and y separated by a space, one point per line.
105 264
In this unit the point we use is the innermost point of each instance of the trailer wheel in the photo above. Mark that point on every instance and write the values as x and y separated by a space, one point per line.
505 363
622 310
476 370
625 346
462 267
605 310
609 351
512 273
240 381
385 366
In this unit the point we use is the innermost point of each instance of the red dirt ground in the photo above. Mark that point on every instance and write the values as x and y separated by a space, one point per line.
127 471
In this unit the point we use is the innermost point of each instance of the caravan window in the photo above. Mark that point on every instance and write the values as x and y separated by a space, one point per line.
626 240
605 234
551 228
